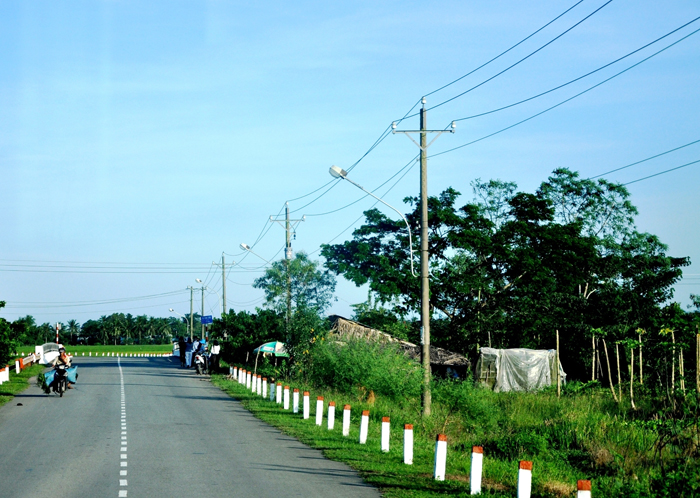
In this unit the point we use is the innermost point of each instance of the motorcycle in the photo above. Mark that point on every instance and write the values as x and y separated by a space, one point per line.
201 362
60 382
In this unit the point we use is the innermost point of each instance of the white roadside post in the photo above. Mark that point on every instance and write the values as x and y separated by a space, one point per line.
253 383
278 394
295 400
364 426
240 374
331 415
272 391
259 390
346 420
248 379
476 469
264 387
408 444
18 369
285 400
524 479
234 373
386 433
584 489
319 410
306 405
440 457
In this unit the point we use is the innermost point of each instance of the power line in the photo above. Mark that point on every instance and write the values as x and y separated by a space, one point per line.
662 173
577 79
68 304
504 52
521 60
566 100
643 160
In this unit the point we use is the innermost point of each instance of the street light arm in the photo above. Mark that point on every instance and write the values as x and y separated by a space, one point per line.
183 316
341 173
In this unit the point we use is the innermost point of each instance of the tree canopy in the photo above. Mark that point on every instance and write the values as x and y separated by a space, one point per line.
509 268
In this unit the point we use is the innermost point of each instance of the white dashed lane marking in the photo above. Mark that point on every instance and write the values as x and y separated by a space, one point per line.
122 451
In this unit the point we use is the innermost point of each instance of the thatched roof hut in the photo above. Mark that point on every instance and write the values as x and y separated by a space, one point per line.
440 358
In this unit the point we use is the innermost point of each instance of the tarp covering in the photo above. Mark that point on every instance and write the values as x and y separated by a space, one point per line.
518 369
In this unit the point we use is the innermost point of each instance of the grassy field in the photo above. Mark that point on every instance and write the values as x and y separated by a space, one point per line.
583 435
18 382
79 350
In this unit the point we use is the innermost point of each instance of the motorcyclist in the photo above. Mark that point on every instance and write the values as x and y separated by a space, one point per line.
62 359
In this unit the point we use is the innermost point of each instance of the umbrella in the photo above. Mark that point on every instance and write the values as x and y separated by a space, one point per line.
275 347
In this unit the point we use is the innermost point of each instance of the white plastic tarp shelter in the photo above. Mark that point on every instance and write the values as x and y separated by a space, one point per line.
47 352
518 369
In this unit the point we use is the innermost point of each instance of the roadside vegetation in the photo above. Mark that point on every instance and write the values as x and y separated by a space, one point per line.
18 383
584 434
131 349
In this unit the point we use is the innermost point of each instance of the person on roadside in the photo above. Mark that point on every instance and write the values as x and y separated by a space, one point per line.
214 359
182 345
188 353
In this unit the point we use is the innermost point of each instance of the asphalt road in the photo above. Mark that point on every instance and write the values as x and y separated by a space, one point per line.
143 427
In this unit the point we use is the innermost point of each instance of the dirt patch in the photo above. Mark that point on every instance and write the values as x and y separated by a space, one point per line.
558 488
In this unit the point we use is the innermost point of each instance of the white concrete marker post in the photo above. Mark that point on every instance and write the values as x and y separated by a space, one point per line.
319 410
240 375
306 405
476 469
278 394
259 389
234 373
524 479
254 383
248 379
346 420
364 425
295 401
272 391
440 457
331 415
386 433
285 398
264 389
408 444
17 367
584 489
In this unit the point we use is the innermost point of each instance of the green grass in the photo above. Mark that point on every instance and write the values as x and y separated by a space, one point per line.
18 382
79 350
582 435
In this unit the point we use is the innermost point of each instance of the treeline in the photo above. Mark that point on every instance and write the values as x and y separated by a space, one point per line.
117 328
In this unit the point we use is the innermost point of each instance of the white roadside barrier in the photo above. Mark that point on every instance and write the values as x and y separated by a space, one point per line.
319 410
364 426
584 489
285 398
440 457
477 467
258 391
295 401
331 415
306 405
524 479
278 394
346 420
264 389
408 444
386 433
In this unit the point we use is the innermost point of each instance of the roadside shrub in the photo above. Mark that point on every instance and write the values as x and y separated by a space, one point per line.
361 367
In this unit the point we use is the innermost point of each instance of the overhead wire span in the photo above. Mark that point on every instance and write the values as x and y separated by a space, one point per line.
93 312
521 60
662 172
579 78
504 52
643 160
70 304
566 100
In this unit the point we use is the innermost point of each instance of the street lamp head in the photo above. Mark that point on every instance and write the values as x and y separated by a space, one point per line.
245 247
393 125
454 125
337 172
198 280
172 310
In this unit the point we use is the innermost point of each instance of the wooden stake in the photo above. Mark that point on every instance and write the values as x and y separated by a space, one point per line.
607 359
593 359
619 376
632 378
641 373
557 367
681 371
673 362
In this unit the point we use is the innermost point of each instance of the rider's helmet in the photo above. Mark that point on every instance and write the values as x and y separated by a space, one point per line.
61 349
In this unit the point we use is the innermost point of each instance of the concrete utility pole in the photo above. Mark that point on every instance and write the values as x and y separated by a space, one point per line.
289 226
424 256
223 280
191 310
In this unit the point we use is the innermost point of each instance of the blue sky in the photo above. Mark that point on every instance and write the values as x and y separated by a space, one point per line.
139 141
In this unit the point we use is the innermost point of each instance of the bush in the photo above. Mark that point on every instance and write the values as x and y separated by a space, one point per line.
364 367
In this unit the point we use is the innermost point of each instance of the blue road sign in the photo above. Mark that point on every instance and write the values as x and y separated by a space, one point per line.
206 319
